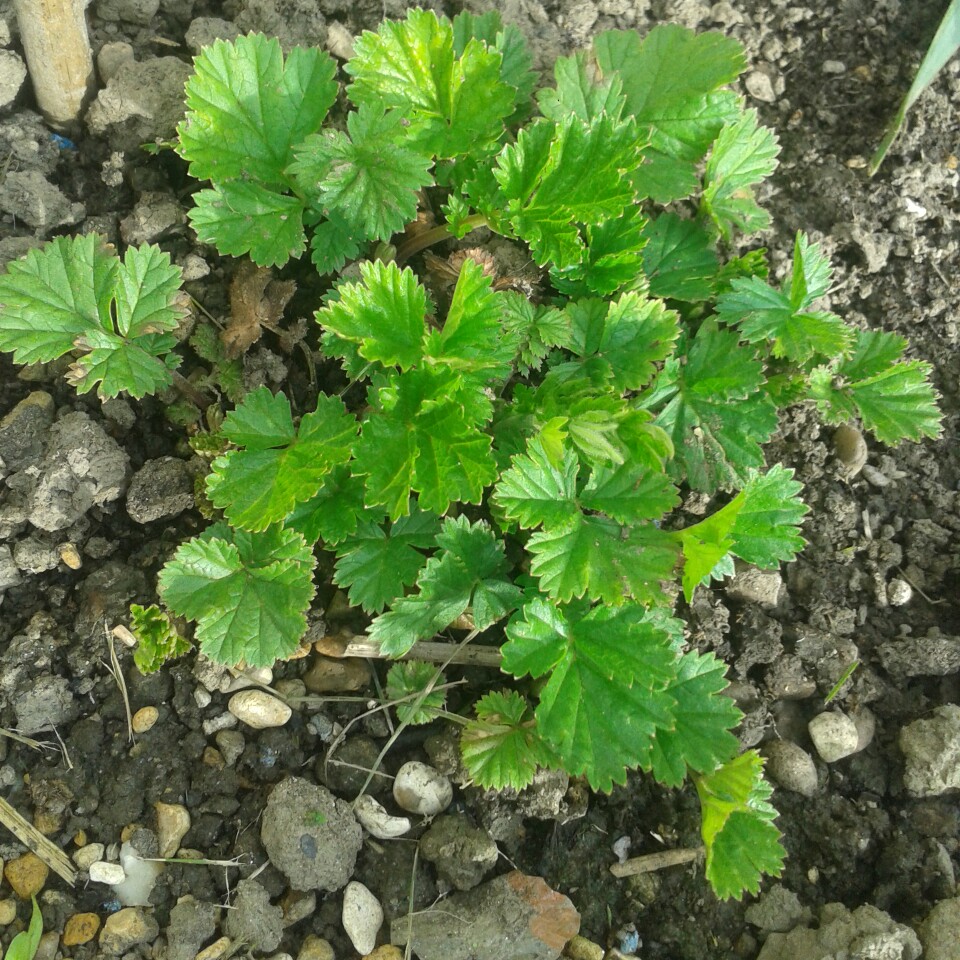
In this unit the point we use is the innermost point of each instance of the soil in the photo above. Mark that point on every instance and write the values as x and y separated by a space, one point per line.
828 76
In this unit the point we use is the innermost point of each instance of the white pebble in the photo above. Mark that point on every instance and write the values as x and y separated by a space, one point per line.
899 592
258 709
362 917
242 679
376 821
88 855
103 872
760 87
419 788
834 735
202 698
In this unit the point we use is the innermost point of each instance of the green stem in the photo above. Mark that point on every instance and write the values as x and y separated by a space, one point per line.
428 238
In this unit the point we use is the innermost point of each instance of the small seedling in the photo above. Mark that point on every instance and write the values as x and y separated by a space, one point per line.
24 945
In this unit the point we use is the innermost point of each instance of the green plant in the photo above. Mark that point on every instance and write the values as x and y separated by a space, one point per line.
516 460
24 945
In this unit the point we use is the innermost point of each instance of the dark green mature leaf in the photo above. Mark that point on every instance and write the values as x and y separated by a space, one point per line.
367 175
700 738
501 747
716 415
244 217
580 91
629 493
248 592
246 108
679 259
737 827
384 314
469 571
536 491
455 104
613 656
281 466
73 293
376 565
334 512
899 404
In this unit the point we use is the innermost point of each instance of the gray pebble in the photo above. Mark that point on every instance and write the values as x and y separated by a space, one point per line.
834 735
931 751
791 767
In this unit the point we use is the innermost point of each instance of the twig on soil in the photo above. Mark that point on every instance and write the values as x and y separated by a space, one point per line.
26 741
63 749
933 603
34 840
651 862
428 650
117 674
197 861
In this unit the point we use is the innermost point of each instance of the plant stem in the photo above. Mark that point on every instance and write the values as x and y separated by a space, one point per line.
428 238
428 650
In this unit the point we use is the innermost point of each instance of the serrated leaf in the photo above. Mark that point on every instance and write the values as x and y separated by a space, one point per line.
248 592
536 491
405 682
874 351
334 512
500 747
743 155
811 273
368 175
376 565
766 530
244 217
455 104
597 557
700 738
898 404
737 827
580 91
533 329
610 656
716 416
384 314
679 259
629 493
246 107
332 244
74 293
470 564
280 466
157 638
705 544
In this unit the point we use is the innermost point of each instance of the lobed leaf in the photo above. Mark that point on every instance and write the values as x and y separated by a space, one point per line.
405 682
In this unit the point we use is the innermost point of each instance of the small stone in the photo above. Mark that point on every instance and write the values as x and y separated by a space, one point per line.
362 917
385 952
202 698
760 87
461 852
88 855
144 719
580 948
212 757
377 822
223 721
756 586
834 735
203 31
940 931
111 57
29 196
316 948
8 912
80 928
26 875
192 924
791 767
835 67
13 71
254 920
161 488
258 709
173 822
126 929
850 448
105 872
931 750
339 40
899 592
231 744
778 911
420 789
330 675
298 906
70 555
217 950
194 267
244 679
866 724
153 217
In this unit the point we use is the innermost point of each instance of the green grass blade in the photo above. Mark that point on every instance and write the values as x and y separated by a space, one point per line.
944 45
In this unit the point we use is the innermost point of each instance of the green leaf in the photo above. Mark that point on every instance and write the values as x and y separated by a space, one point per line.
334 512
24 945
811 273
700 738
244 217
537 491
629 493
874 352
716 415
368 175
423 440
157 638
597 557
534 329
501 748
705 544
332 244
248 592
679 259
405 682
281 466
377 565
766 531
384 314
612 656
73 293
579 91
455 104
467 572
899 404
246 108
737 827
744 154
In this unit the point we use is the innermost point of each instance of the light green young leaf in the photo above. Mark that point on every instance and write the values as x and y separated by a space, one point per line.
743 155
705 544
368 174
898 404
455 104
679 259
536 491
533 329
384 314
376 565
737 827
73 293
157 638
613 656
248 592
500 747
244 217
409 679
281 466
246 108
24 945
